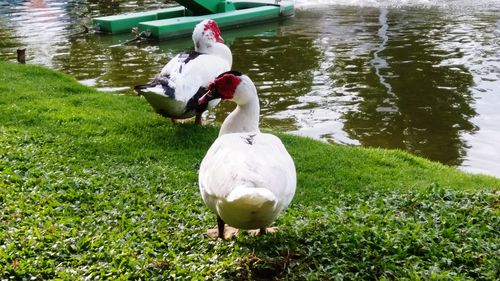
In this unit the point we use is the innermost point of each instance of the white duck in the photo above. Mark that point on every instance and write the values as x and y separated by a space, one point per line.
247 177
176 89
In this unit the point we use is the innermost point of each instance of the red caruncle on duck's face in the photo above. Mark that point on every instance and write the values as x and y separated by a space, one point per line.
225 86
212 26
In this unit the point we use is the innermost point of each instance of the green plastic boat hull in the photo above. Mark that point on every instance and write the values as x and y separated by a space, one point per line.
124 23
180 21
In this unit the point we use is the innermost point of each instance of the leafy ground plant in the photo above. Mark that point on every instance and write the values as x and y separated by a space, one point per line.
96 186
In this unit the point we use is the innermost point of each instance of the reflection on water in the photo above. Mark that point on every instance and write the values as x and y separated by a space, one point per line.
409 103
422 76
282 69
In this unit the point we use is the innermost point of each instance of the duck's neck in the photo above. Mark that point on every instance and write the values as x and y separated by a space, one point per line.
220 50
245 118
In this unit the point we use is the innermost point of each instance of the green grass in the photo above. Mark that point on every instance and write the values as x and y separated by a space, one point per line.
97 186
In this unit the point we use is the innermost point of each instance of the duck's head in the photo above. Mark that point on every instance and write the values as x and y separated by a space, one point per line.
206 34
231 85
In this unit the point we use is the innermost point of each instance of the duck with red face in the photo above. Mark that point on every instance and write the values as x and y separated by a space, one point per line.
247 178
175 91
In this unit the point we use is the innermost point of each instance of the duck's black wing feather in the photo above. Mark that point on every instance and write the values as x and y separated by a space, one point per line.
182 59
192 103
159 80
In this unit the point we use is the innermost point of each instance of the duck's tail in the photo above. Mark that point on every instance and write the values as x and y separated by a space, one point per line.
140 89
248 207
160 85
251 196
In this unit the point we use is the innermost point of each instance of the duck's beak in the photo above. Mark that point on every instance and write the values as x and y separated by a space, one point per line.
208 96
219 39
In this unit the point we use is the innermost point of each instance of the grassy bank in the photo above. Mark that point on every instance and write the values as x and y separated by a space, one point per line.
95 185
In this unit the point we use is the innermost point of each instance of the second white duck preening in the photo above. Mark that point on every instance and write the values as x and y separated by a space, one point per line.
175 91
247 178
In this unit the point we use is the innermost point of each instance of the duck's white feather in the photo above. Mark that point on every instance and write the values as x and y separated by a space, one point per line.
187 77
247 179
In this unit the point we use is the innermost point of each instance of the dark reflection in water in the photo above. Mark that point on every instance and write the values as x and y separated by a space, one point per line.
409 101
281 68
111 68
8 41
422 78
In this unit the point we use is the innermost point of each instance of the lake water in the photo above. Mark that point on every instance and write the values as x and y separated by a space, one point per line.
420 75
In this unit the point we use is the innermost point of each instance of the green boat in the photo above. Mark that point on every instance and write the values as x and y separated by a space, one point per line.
179 21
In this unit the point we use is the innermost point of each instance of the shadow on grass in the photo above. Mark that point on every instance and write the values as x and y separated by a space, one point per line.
270 257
